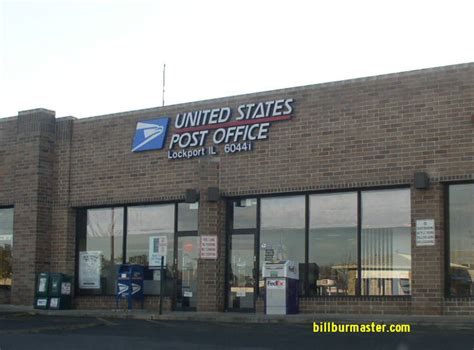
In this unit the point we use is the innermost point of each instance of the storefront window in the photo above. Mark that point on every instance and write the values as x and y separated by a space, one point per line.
332 261
282 232
187 256
6 245
101 250
188 216
386 242
461 240
150 233
151 228
245 214
334 223
241 255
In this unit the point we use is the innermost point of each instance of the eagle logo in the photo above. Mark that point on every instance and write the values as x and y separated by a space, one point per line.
150 135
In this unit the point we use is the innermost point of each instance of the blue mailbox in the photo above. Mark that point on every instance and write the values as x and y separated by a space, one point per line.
130 283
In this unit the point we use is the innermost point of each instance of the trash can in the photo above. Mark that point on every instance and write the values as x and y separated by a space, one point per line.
60 296
130 283
42 291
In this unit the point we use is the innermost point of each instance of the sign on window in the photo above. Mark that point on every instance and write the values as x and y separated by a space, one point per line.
90 265
158 246
425 232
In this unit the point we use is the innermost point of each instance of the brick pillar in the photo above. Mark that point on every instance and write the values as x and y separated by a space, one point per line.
33 200
211 222
428 261
63 217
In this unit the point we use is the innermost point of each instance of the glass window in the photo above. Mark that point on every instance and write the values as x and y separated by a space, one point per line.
333 244
282 232
188 216
6 245
187 272
461 239
241 271
386 242
147 224
149 228
241 258
103 235
245 214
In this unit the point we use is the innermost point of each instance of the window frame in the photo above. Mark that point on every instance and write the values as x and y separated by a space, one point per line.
81 229
307 194
358 236
305 197
360 242
447 239
229 224
5 287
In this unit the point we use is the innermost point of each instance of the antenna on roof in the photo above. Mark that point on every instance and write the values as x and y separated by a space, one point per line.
163 95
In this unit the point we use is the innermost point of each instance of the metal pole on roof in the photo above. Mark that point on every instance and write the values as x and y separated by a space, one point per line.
164 71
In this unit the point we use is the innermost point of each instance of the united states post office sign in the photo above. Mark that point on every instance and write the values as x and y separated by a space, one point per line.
237 129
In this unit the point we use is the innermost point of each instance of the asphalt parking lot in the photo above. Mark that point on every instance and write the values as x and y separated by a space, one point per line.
27 331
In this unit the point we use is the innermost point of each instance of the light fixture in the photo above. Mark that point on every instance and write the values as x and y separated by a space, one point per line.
191 196
422 181
213 194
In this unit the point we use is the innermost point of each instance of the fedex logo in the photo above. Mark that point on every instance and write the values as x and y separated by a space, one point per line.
275 284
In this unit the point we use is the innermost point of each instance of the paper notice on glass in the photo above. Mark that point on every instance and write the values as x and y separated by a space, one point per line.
156 275
269 254
6 237
208 247
90 265
425 232
158 247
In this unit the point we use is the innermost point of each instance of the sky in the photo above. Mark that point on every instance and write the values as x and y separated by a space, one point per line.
86 58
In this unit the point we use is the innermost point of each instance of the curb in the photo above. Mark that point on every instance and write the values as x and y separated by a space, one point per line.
417 321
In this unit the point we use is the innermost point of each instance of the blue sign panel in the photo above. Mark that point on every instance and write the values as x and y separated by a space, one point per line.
150 135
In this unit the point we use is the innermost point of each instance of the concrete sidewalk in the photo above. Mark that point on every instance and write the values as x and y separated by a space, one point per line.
452 322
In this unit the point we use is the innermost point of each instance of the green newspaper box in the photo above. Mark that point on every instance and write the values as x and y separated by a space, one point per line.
60 296
42 291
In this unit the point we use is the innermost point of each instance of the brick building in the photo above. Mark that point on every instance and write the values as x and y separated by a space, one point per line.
323 175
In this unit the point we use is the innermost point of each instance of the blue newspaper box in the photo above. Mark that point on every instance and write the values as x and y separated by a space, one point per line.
130 284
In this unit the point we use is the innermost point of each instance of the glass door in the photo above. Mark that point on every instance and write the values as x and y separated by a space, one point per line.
186 280
241 273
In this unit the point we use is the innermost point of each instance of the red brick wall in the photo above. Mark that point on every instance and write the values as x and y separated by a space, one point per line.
428 261
352 305
8 131
211 222
361 132
458 307
63 236
357 133
33 167
5 295
372 305
109 302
